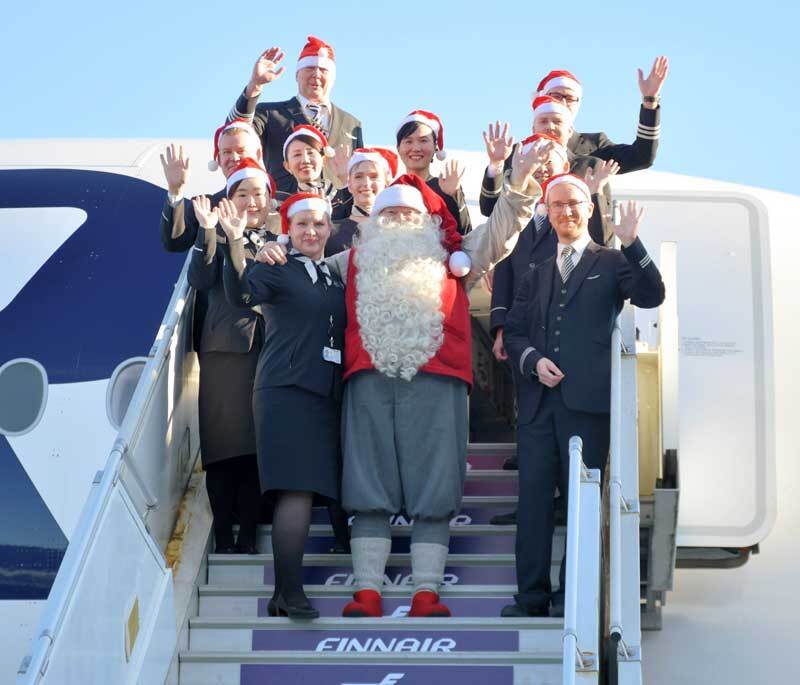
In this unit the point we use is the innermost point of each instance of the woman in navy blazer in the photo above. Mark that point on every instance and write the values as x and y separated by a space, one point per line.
297 391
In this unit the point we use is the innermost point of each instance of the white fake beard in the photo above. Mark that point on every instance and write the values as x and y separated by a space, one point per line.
400 276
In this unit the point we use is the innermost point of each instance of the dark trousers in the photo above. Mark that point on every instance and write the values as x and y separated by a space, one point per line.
543 448
233 493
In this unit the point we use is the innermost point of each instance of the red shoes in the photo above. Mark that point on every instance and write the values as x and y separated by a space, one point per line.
365 604
426 604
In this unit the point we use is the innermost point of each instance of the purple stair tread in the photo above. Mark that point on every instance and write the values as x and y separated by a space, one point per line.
399 674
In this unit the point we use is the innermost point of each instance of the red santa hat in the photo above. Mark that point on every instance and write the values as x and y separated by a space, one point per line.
382 157
247 167
300 202
235 125
544 104
559 78
538 140
316 53
571 179
409 190
311 132
433 122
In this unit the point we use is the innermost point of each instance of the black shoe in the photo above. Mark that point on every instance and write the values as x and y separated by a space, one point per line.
511 464
509 519
300 610
557 606
516 611
246 548
226 549
272 608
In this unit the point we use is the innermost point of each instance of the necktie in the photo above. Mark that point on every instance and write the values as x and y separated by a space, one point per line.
315 112
567 264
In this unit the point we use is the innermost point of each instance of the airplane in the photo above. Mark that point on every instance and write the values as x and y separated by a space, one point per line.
84 287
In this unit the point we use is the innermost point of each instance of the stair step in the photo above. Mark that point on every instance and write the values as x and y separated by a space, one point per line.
336 569
402 635
465 539
302 668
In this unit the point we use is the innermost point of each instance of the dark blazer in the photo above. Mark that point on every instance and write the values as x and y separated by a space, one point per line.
274 121
596 290
301 318
631 157
533 247
225 328
179 224
342 237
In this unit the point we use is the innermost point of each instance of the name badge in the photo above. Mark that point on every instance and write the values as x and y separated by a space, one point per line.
332 355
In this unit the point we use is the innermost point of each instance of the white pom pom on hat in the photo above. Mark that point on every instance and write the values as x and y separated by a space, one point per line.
459 263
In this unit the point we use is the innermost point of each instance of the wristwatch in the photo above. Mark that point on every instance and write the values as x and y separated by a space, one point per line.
651 99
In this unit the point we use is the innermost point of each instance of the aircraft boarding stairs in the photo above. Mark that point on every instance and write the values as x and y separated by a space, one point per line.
139 599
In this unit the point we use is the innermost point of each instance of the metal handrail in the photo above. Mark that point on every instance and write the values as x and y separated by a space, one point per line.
616 499
80 545
571 656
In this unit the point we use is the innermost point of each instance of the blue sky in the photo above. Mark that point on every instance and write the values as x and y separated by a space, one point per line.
161 69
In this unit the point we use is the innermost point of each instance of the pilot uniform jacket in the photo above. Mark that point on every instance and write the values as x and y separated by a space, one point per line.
297 391
229 345
274 121
630 157
573 322
536 243
179 225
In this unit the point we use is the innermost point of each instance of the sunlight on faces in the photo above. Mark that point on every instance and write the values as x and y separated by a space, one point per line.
567 97
568 211
365 181
303 162
251 196
417 150
402 215
309 230
235 145
553 164
315 83
553 124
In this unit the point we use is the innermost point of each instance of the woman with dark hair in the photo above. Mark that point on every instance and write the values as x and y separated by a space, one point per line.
369 171
420 138
230 343
297 392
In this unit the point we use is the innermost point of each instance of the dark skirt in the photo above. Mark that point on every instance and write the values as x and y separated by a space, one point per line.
297 434
226 405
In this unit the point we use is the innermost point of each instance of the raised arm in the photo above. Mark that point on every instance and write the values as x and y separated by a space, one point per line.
178 223
265 71
453 195
495 239
638 278
204 264
499 146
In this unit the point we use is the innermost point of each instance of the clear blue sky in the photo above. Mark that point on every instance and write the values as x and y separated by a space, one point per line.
173 69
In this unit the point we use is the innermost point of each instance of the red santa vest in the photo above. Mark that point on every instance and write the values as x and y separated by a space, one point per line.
454 357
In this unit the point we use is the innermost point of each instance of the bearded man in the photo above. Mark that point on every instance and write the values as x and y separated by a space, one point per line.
408 368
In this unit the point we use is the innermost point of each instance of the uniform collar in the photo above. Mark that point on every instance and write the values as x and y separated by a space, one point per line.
579 246
304 102
314 267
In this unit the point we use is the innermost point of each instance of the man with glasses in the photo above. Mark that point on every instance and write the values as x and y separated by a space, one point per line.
564 87
558 336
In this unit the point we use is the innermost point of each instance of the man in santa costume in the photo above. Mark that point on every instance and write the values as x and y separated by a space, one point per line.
407 371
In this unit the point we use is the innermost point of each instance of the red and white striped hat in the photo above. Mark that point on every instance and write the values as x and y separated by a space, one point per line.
544 104
433 122
235 125
571 179
540 139
300 202
382 157
316 53
559 78
250 168
311 132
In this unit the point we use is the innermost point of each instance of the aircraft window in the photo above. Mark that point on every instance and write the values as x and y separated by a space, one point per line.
120 389
23 396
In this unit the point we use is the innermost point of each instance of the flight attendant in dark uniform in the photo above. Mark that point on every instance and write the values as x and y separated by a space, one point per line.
420 137
369 171
230 342
298 387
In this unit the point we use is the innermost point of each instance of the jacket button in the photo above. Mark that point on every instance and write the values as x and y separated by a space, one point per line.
555 349
561 304
563 291
558 332
558 318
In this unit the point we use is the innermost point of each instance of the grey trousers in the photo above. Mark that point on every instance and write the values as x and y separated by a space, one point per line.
405 445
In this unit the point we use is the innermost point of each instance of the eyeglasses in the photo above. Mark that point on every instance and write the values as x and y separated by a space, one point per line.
562 97
561 206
